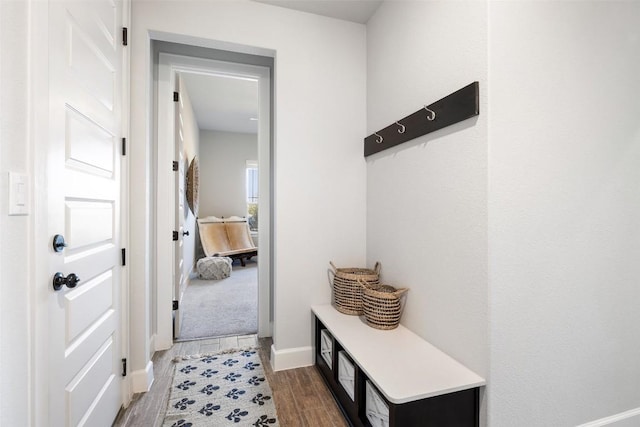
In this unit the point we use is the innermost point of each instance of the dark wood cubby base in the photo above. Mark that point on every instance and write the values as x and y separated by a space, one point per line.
456 409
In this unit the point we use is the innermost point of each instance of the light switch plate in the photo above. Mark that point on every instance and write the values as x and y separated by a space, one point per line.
19 194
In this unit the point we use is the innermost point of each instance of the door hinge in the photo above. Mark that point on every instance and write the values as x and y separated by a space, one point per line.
124 146
124 257
125 36
175 236
174 166
124 367
176 97
175 304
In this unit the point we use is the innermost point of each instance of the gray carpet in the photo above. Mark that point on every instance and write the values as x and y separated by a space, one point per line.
220 308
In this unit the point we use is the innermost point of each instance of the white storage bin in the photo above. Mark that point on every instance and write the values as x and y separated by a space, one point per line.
377 409
346 374
326 347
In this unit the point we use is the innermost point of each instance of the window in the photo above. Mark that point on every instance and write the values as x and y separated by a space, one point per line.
252 194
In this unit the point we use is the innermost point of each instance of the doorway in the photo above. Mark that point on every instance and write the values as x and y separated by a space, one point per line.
220 298
172 68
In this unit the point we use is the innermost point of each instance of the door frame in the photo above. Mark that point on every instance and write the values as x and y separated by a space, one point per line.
168 65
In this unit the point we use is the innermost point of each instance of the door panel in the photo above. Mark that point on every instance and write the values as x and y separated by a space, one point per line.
95 376
96 153
88 304
84 205
89 223
82 349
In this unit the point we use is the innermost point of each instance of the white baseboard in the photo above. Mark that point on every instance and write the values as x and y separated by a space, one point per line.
142 379
622 416
291 358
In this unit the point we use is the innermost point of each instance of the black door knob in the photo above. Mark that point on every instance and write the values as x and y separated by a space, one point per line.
59 280
72 280
185 233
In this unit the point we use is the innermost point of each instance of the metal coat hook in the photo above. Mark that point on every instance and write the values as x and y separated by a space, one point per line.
432 114
402 127
378 138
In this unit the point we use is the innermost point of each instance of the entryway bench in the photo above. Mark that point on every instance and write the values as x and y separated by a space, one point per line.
392 378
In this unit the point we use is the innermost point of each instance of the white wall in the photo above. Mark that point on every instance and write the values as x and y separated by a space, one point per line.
15 277
191 149
427 198
564 212
319 125
223 163
562 192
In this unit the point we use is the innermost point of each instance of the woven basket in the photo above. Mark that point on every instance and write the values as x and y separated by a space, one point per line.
347 292
381 304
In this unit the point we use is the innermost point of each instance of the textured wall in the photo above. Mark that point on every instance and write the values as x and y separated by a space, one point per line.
564 212
319 124
426 198
191 150
15 283
223 163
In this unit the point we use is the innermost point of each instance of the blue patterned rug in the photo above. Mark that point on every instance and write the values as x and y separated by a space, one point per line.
229 388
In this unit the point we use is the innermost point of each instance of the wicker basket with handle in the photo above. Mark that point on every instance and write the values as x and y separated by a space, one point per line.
381 304
347 292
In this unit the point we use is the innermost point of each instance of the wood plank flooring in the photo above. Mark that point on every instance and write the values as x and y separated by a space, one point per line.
301 397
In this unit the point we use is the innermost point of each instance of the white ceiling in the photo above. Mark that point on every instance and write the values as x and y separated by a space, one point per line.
223 103
227 103
349 10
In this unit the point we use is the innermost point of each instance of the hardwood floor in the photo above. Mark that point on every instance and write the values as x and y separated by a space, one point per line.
300 395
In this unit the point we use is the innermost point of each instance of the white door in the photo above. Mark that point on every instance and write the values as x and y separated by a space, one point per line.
85 89
180 199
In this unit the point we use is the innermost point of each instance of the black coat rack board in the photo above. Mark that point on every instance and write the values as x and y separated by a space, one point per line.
456 107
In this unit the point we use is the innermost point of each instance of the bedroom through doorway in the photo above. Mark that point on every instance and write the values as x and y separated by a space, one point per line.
221 127
221 299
